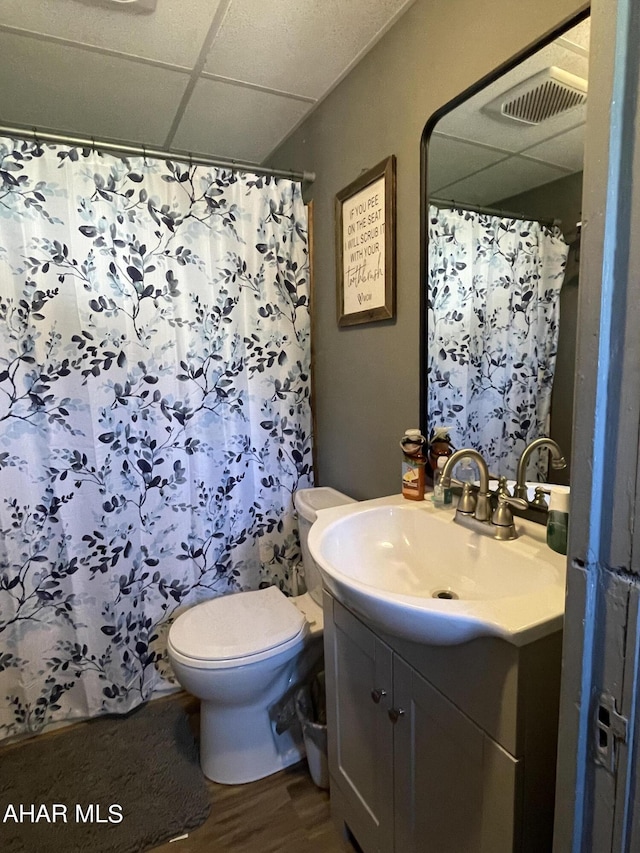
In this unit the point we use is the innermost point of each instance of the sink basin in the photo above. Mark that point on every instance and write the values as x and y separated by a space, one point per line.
408 569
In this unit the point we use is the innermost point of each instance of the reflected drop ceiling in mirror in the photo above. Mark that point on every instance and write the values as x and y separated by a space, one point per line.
477 158
224 78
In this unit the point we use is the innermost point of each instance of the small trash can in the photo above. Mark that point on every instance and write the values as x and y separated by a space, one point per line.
311 710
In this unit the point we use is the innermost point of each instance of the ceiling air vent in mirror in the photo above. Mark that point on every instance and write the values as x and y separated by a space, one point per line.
543 96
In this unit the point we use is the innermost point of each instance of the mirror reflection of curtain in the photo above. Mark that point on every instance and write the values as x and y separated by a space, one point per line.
493 320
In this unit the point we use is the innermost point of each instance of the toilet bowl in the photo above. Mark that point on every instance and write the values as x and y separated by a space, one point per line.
240 654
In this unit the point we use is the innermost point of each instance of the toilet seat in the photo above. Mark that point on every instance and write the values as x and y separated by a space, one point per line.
236 630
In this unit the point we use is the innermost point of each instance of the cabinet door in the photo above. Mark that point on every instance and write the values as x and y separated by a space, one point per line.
360 733
455 788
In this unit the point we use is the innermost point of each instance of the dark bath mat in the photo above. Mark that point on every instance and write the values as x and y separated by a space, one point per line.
142 766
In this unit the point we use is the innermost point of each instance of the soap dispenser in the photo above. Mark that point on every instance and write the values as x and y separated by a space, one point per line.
558 518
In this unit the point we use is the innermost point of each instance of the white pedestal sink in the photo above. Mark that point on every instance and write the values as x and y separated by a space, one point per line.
407 568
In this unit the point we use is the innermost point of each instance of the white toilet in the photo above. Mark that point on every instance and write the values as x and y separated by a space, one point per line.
241 653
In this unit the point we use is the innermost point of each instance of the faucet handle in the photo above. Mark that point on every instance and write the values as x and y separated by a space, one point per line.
539 502
502 488
503 517
518 503
467 502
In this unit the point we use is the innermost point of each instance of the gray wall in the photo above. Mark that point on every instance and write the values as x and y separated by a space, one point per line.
560 200
367 377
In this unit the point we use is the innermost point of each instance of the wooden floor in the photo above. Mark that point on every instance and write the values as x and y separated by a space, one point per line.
284 813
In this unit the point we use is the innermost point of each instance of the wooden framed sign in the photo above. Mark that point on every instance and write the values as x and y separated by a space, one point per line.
366 246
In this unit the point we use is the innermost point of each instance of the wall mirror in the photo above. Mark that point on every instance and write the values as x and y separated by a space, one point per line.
500 219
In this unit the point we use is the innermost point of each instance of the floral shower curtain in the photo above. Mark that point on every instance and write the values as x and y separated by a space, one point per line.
154 413
493 321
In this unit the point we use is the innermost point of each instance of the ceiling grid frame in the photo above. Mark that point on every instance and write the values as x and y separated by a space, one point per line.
160 74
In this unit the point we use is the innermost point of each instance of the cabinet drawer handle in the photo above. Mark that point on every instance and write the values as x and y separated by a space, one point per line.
395 714
377 695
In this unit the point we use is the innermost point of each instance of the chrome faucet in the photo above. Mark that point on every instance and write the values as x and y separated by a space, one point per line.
557 462
482 511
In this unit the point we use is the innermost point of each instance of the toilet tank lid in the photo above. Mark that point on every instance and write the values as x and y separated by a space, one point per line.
309 501
237 625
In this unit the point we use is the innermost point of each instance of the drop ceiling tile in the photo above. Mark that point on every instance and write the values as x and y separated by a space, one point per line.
579 35
78 92
506 133
507 178
174 33
235 121
565 150
300 48
449 160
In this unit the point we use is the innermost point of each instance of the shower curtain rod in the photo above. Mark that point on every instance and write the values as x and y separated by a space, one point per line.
491 211
142 151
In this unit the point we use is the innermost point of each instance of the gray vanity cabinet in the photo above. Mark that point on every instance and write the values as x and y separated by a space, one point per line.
415 769
454 787
359 670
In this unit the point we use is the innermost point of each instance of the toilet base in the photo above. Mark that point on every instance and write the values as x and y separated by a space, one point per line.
239 745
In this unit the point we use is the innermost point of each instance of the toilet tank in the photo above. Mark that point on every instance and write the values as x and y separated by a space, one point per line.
307 503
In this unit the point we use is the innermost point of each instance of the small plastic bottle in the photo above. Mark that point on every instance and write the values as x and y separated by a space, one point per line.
413 463
558 518
441 495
